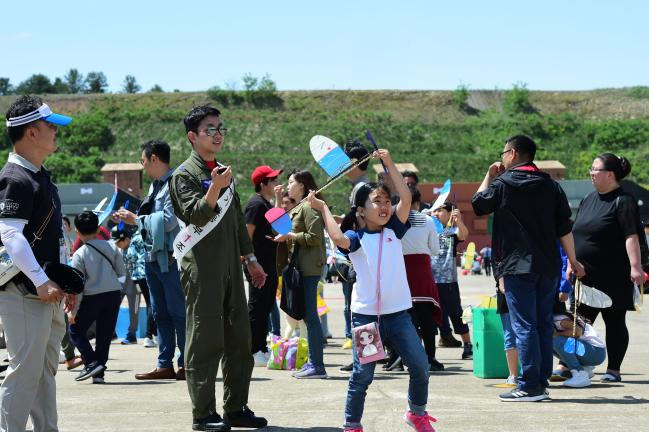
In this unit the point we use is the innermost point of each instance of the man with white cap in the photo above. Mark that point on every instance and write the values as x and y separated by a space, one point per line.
31 305
260 300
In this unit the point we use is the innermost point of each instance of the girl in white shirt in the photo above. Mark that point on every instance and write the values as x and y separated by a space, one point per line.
381 292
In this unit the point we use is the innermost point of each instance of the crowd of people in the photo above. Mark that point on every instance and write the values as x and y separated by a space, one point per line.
191 244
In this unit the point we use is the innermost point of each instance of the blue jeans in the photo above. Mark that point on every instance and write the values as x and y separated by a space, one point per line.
508 332
593 356
168 306
273 320
397 330
347 292
530 298
312 321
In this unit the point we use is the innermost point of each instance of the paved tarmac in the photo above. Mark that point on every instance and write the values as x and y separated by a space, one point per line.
459 400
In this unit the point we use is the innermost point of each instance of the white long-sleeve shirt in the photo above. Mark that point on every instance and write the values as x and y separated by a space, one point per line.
11 234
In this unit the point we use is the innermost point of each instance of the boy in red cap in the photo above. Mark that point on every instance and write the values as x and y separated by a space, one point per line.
260 301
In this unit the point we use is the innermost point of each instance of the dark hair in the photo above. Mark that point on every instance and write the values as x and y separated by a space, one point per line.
350 221
21 106
159 148
197 114
286 195
120 234
263 181
415 194
448 206
523 145
355 150
620 166
411 174
306 179
67 219
86 222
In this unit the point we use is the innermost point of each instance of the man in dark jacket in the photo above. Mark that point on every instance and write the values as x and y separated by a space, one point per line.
531 213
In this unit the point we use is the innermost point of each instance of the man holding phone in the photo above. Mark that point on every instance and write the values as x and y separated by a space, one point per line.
210 250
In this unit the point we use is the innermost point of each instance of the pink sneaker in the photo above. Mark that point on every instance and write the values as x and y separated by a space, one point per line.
420 423
353 429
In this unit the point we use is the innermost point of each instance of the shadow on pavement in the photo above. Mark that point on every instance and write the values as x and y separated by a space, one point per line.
626 400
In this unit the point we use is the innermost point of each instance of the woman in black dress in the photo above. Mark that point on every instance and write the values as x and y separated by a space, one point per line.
606 241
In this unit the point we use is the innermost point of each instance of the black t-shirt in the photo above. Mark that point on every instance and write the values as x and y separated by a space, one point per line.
30 196
603 223
265 249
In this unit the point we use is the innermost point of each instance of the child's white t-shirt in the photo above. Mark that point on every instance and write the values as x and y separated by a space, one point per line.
589 334
364 254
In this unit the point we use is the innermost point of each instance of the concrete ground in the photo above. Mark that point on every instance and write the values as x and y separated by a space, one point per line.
459 400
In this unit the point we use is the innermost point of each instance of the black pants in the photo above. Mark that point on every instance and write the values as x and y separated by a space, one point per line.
617 335
449 298
151 328
487 266
101 309
422 318
260 303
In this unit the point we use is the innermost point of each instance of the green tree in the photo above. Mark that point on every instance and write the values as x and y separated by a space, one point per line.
85 132
249 82
156 89
96 82
267 85
5 87
461 97
35 84
75 82
130 84
517 100
60 87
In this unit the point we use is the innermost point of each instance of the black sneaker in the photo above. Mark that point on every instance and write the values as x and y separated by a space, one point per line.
436 366
245 419
467 353
520 395
449 342
212 422
347 368
90 371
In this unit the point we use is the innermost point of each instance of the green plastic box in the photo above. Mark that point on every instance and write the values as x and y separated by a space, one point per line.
488 345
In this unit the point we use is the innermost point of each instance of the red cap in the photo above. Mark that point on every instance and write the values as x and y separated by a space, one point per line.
263 172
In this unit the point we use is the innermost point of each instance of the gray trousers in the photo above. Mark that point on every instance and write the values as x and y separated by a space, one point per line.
133 297
33 331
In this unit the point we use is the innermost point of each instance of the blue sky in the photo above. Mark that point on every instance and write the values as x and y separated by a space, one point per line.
193 45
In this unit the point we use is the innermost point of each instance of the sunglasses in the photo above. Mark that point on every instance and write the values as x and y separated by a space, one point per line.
211 131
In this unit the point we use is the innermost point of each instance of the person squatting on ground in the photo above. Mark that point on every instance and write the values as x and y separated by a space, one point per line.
580 364
420 243
607 229
103 268
159 226
218 329
31 305
445 272
307 240
374 246
531 213
261 300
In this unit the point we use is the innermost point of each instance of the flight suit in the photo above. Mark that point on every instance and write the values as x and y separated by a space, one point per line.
212 278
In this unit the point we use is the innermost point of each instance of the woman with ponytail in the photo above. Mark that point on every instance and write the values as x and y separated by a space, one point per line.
606 241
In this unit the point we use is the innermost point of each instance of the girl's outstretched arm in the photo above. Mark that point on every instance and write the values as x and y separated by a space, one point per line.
331 226
405 198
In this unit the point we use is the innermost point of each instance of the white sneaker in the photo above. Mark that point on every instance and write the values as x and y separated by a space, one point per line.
512 381
156 340
590 370
149 343
61 357
260 359
579 379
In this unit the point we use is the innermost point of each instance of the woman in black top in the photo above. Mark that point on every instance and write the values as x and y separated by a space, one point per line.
606 242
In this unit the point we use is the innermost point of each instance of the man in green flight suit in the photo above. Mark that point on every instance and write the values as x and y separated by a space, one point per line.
209 250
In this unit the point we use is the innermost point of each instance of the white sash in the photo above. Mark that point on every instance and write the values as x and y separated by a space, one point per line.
191 234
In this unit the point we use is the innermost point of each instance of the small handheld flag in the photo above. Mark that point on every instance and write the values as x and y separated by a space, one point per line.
279 220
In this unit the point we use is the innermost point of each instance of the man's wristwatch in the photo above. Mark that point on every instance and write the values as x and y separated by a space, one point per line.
250 259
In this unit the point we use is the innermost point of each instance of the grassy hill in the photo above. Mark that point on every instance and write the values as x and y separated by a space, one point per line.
442 137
